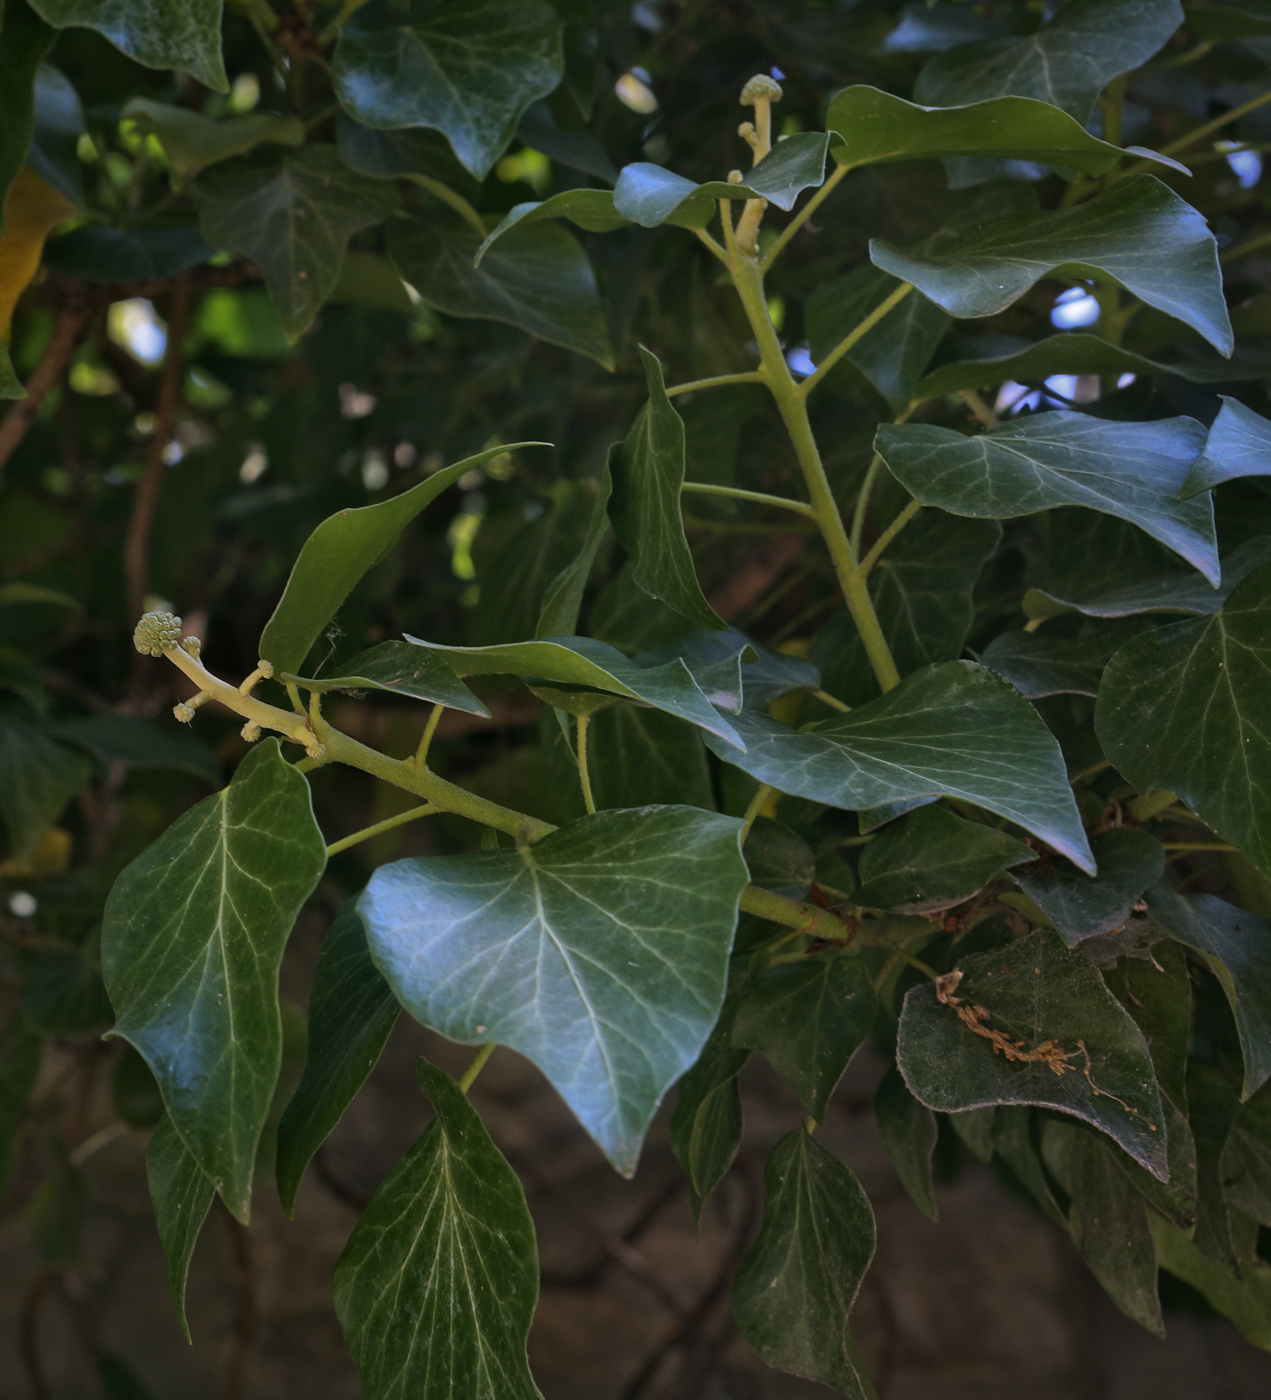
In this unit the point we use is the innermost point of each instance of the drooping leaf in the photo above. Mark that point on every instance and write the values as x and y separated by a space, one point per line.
335 557
1138 233
922 594
877 126
892 355
563 597
436 1287
1239 444
1014 1144
975 1127
98 253
595 667
611 936
401 669
536 278
1039 664
931 860
183 34
779 859
1038 993
645 507
642 757
796 1286
1129 470
139 743
38 777
808 1018
182 1197
953 730
20 1053
1246 1158
1188 708
26 40
1213 1098
192 939
1108 1221
293 213
192 141
1067 62
1237 946
351 1013
1157 992
571 146
1081 906
908 1129
468 70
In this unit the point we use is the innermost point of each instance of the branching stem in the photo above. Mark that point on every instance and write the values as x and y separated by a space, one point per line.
379 828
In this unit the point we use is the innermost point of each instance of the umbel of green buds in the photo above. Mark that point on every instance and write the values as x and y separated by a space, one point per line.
156 633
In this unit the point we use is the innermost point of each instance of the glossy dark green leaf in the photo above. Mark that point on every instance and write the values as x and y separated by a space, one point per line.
779 859
563 598
908 1129
1081 906
435 1290
953 730
98 253
922 593
466 68
192 939
612 936
405 151
642 757
1039 664
1188 708
139 743
293 213
877 126
1175 1199
975 1127
351 1013
645 508
571 146
335 557
402 669
1130 470
592 210
893 355
26 40
182 1197
596 667
1014 1143
38 777
650 195
20 1050
1036 991
1067 62
1108 1221
796 1286
182 34
59 123
932 28
1157 992
62 993
931 860
1137 233
1239 444
1246 1158
808 1018
536 278
1237 946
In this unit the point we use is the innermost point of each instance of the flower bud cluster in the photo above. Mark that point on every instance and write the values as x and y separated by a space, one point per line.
156 633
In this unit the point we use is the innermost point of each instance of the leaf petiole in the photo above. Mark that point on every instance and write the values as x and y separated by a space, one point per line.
379 828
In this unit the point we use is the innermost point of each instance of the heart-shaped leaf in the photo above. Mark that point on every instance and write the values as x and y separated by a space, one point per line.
1081 906
401 669
1239 444
182 1197
1130 470
612 938
953 730
192 939
1137 233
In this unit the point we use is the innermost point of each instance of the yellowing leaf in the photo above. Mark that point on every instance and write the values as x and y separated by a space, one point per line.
33 208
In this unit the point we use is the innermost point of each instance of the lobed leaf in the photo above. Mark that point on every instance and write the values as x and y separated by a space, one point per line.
192 141
1239 444
1038 665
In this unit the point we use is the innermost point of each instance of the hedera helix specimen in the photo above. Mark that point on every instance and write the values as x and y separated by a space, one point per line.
906 833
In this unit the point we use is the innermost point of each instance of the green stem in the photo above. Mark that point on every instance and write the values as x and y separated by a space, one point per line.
1183 847
387 824
795 914
983 414
1208 129
757 804
454 199
861 509
425 743
803 216
750 376
832 701
584 777
887 536
760 498
478 1064
857 333
346 13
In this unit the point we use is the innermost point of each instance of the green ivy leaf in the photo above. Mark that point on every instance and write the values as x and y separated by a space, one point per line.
1213 1097
1081 906
351 1014
642 757
1107 1219
592 210
927 28
1014 1144
612 935
1239 444
98 253
38 777
931 860
192 938
779 859
182 1197
435 1290
26 40
1067 62
59 123
893 355
571 146
953 730
1188 707
538 278
139 743
338 553
20 1053
192 141
1138 233
1246 1158
466 68
407 152
1157 992
1174 1199
796 1286
807 1019
1038 664
878 127
400 669
1129 470
1246 1301
183 34
1037 990
908 1130
293 213
563 598
1237 946
763 674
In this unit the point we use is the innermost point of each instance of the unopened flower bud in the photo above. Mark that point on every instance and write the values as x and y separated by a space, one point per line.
748 134
156 633
192 646
759 87
251 731
183 712
734 177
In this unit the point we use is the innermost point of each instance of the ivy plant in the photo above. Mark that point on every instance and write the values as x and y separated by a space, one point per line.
983 779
